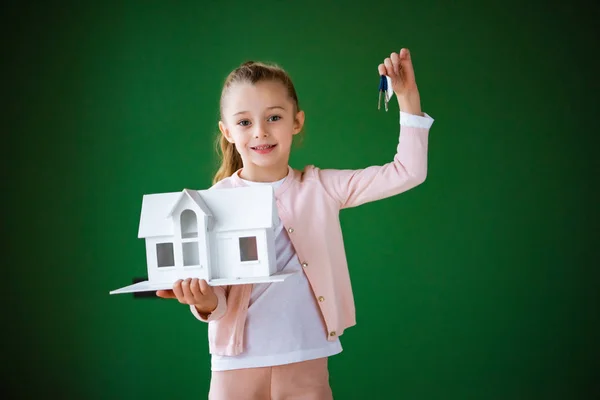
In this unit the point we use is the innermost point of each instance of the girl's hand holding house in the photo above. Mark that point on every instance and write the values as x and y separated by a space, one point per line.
402 74
194 292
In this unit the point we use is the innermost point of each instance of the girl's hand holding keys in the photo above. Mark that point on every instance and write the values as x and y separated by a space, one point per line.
399 68
196 292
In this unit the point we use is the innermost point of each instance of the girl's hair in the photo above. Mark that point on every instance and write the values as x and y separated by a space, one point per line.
249 72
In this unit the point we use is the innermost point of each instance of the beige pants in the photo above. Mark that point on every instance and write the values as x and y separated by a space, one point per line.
307 380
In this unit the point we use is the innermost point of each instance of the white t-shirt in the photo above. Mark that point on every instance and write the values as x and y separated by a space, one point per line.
284 324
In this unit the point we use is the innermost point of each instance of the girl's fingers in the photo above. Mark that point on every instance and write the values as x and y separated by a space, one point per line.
404 54
187 293
389 67
195 289
407 67
395 62
204 287
166 294
381 69
178 291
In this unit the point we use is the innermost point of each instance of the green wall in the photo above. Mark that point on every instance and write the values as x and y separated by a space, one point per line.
480 284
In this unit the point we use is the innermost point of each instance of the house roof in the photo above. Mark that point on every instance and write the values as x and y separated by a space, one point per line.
237 208
195 197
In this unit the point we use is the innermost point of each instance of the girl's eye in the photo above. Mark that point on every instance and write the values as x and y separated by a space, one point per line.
244 122
275 118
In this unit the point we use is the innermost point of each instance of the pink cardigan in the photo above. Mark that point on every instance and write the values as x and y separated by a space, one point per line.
309 202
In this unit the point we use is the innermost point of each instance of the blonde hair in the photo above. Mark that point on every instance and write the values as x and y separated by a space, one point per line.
249 72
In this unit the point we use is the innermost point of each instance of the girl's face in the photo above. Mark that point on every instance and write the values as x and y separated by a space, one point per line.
261 121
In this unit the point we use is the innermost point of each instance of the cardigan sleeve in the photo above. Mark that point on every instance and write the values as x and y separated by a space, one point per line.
219 312
351 188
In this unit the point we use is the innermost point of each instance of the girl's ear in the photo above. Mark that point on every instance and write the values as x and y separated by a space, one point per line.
225 131
298 122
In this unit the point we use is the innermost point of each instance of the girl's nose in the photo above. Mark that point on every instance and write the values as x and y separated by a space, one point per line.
260 133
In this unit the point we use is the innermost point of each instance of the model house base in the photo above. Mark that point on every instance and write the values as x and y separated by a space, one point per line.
147 286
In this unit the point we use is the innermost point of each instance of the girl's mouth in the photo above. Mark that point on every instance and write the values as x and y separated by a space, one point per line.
264 148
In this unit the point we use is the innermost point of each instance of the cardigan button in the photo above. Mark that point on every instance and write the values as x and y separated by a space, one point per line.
332 333
291 230
304 264
321 299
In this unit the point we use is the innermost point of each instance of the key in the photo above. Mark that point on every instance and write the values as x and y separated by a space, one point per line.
383 87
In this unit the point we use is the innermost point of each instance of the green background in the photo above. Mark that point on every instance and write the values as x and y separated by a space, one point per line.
480 284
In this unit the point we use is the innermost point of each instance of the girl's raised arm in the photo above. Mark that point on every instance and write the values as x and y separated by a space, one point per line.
408 169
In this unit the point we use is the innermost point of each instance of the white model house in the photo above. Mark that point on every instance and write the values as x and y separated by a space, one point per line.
225 236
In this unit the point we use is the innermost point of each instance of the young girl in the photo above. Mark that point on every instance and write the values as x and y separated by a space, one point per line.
272 341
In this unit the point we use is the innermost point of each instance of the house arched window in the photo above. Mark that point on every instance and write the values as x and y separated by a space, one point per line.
189 237
189 224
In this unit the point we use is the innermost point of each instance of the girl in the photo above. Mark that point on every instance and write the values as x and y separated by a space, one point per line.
272 341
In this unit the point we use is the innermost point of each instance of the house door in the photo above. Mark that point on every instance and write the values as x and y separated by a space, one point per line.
226 253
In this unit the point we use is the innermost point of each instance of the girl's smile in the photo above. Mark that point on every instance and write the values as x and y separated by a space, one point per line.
264 148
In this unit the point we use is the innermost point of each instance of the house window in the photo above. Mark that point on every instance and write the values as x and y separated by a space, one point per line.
189 224
164 255
190 254
189 237
248 249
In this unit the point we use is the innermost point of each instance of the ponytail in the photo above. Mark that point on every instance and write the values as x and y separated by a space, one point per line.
230 159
